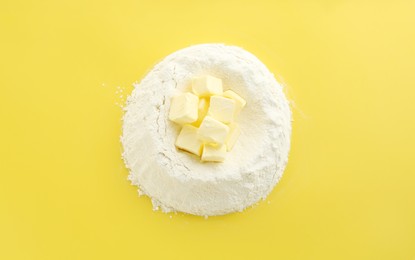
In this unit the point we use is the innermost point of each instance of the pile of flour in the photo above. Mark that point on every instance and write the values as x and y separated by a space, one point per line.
178 181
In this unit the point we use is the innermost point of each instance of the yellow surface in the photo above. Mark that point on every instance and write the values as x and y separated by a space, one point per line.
348 191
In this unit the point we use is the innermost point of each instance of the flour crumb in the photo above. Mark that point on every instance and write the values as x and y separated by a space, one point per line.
120 96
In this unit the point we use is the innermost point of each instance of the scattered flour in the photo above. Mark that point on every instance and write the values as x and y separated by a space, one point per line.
178 181
121 99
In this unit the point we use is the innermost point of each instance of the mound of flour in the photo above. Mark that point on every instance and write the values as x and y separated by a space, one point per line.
178 181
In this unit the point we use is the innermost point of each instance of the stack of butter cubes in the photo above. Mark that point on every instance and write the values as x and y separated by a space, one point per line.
208 118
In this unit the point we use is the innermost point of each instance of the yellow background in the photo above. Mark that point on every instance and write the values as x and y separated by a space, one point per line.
348 191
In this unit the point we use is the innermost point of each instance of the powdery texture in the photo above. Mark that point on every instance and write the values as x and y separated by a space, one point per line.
178 181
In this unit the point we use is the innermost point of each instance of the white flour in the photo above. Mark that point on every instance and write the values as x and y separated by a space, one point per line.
177 181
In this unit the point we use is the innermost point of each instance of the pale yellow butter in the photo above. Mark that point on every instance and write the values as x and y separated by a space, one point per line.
222 109
234 133
213 131
239 101
213 153
184 108
207 86
188 140
208 119
203 109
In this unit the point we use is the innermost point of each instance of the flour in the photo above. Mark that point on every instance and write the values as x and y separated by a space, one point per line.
178 181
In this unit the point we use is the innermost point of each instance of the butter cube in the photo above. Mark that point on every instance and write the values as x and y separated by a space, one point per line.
222 109
239 101
188 140
213 131
234 132
184 108
206 86
203 109
213 153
